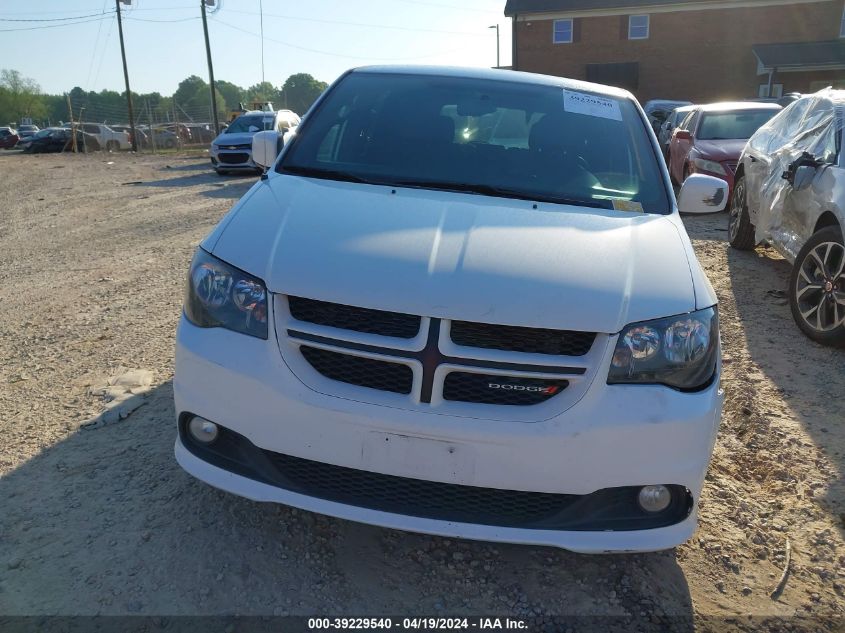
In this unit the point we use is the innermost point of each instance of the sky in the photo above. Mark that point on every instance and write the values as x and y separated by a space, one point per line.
164 39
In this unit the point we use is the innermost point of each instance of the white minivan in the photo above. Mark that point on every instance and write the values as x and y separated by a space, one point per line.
459 302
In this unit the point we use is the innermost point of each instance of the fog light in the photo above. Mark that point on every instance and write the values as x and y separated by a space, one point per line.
203 431
654 498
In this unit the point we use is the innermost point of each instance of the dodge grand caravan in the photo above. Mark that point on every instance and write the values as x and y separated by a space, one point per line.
459 302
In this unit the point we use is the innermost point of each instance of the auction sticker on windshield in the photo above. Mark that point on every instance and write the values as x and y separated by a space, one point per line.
627 205
591 105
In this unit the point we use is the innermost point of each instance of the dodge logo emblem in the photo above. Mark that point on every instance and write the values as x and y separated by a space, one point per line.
553 389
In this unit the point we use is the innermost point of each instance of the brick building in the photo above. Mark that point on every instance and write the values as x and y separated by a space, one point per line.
698 50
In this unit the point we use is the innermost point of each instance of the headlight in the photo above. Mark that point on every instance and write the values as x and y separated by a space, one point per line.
679 351
220 295
709 165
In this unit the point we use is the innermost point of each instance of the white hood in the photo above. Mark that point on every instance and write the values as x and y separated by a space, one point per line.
459 256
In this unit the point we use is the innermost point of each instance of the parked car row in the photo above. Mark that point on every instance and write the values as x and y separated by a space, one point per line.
786 178
119 136
790 193
59 139
710 138
108 138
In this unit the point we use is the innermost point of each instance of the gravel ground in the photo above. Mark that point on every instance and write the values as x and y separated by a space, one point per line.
97 518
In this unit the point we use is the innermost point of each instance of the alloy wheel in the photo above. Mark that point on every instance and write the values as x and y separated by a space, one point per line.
737 205
820 291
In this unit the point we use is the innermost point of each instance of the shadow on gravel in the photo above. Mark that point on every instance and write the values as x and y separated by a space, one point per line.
809 376
189 180
105 522
233 189
189 166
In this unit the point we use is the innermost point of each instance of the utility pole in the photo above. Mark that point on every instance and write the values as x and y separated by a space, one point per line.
498 63
72 124
126 75
261 19
214 116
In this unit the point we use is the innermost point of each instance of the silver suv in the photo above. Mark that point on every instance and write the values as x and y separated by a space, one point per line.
232 149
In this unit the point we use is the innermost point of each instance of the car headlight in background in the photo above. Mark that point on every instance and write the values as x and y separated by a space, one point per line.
709 165
220 295
679 351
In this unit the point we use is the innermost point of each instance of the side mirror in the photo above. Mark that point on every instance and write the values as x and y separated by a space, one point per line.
801 172
703 194
683 135
265 148
803 177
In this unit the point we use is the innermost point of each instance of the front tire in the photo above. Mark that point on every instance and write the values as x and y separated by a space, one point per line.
817 288
741 232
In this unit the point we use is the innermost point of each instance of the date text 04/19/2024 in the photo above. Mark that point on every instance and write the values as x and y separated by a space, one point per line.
417 624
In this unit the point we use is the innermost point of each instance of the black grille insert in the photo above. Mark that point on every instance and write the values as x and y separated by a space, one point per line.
357 370
490 389
522 339
417 497
608 509
347 317
233 159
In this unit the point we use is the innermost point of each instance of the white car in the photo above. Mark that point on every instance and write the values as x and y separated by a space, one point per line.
108 138
462 302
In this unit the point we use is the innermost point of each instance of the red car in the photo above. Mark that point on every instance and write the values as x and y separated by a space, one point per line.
8 138
711 138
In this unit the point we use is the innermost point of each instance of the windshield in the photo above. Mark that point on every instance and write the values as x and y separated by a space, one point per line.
495 138
732 125
247 123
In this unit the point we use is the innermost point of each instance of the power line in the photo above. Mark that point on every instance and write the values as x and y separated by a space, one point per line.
357 24
94 53
103 54
341 55
449 6
130 17
76 17
53 26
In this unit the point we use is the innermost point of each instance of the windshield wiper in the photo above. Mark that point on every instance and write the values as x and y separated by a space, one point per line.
327 174
504 192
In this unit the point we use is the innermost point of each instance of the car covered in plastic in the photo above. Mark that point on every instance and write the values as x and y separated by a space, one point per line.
790 193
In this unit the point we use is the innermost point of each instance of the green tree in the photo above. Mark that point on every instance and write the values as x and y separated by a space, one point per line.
232 95
191 92
264 91
20 97
300 91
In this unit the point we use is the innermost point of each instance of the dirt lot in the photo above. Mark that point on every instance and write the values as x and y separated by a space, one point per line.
99 519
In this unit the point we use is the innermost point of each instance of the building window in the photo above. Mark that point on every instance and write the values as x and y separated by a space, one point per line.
563 31
637 27
763 91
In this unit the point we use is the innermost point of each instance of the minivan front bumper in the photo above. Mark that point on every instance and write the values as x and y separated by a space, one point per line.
617 436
